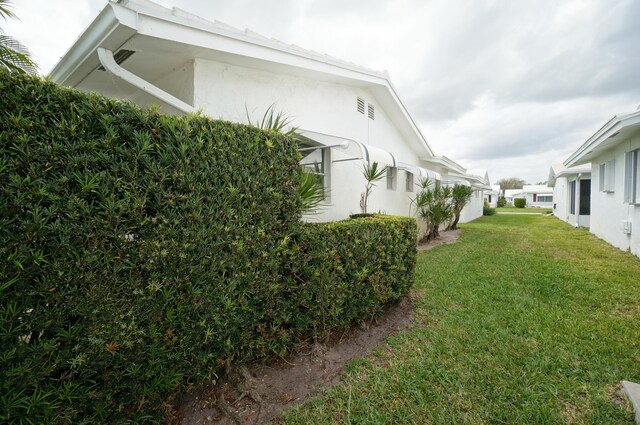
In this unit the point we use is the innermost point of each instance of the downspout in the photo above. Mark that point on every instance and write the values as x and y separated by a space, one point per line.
109 64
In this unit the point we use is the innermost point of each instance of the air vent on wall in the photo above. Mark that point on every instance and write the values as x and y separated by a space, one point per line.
372 112
361 105
120 56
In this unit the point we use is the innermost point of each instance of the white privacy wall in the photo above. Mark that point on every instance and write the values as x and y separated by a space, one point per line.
224 91
608 210
473 209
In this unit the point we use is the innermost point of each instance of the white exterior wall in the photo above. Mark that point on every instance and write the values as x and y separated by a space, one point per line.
562 200
608 210
223 91
537 204
494 199
473 209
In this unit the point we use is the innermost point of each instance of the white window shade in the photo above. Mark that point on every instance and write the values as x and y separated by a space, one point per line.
419 172
350 148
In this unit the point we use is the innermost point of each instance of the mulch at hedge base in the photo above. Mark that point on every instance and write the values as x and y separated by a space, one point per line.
283 383
446 237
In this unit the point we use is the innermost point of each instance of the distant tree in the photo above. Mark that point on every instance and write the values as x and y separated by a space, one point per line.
13 55
510 183
544 182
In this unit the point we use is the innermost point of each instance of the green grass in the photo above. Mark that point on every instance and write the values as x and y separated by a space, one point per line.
524 320
514 209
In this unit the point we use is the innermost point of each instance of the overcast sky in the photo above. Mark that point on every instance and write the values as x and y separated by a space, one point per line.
506 85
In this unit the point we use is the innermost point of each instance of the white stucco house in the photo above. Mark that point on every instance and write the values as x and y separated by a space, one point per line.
492 195
346 115
571 193
536 195
614 154
511 194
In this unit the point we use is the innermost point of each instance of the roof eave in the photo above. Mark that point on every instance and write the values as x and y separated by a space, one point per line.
609 129
107 21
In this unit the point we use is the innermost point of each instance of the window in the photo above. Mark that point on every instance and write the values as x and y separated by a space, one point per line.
360 105
410 183
632 177
545 198
607 173
317 160
392 173
371 111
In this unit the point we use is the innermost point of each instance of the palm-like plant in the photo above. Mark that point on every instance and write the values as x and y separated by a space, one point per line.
372 174
310 188
272 120
311 191
434 206
460 196
13 55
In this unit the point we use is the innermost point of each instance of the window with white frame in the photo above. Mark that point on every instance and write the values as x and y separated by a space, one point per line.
545 198
607 174
409 183
632 177
392 177
317 160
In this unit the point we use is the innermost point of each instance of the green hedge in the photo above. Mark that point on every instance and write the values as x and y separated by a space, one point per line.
488 211
139 252
519 202
348 270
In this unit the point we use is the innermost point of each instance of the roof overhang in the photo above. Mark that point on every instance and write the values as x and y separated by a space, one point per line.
616 130
164 39
559 170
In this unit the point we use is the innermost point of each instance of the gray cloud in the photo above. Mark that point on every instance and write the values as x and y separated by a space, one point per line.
492 83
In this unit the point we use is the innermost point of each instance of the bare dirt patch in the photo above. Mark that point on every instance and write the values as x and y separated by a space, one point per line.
446 237
279 384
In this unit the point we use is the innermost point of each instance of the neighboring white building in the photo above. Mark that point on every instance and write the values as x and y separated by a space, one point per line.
571 193
614 154
511 194
538 195
491 196
345 114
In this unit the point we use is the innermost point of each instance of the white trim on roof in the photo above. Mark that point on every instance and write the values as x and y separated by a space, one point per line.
608 131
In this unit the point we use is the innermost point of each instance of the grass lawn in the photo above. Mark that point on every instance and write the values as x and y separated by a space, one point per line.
524 320
514 209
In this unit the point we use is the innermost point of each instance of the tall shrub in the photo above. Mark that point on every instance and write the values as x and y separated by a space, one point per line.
519 202
460 196
137 251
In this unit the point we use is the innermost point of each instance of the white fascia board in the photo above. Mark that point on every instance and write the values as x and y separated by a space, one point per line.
446 162
96 35
614 125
